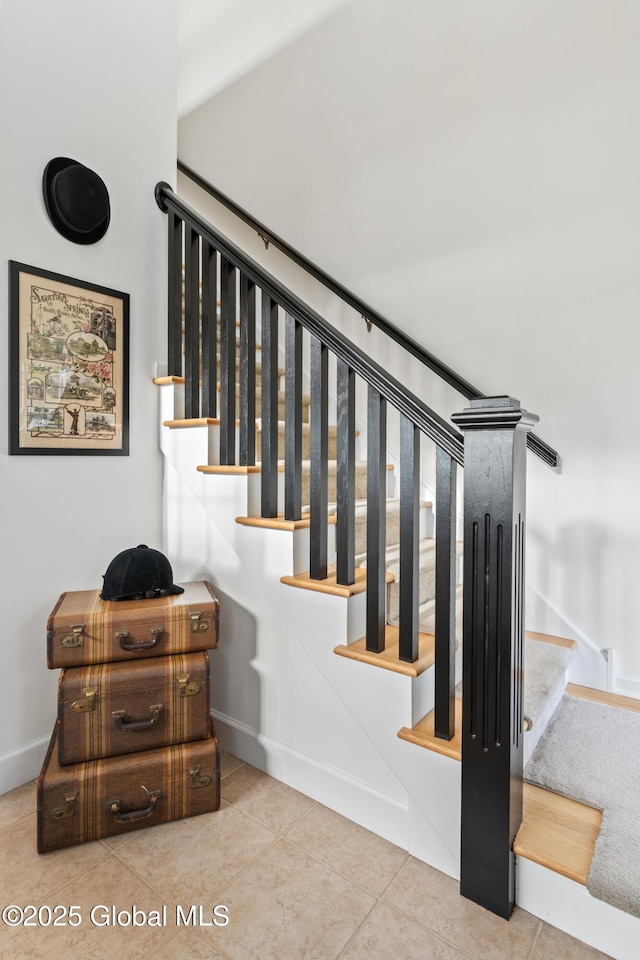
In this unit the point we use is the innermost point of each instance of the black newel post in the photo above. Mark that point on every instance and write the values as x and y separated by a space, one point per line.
495 448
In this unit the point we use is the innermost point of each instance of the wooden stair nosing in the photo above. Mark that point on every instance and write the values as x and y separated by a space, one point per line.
601 696
194 422
329 584
423 734
558 833
388 658
550 638
279 522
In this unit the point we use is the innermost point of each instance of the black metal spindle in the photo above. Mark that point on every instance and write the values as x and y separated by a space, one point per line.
346 473
174 306
247 371
409 539
191 323
269 407
445 595
293 419
209 373
376 519
318 466
227 362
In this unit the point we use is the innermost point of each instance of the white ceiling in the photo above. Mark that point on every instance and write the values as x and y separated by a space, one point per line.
220 40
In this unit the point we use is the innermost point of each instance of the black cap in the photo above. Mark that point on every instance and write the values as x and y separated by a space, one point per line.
139 573
76 199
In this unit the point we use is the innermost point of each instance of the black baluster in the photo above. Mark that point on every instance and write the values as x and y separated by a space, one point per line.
376 519
493 622
191 324
227 362
208 401
318 467
269 407
409 539
293 419
174 311
445 595
247 372
346 474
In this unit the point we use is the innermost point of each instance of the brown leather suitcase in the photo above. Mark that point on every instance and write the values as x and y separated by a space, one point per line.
104 798
84 629
108 709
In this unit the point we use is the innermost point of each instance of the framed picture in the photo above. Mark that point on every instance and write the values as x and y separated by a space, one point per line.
69 365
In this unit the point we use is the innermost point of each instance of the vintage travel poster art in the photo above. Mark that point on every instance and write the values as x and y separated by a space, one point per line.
69 376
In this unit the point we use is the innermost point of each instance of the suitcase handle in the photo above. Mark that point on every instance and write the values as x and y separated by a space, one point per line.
133 646
130 816
134 725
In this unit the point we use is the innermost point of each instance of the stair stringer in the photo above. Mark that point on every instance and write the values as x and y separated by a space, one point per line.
249 691
432 783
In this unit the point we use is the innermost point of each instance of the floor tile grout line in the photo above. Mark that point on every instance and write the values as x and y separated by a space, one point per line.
331 867
357 930
76 876
242 763
431 930
401 867
251 816
535 940
250 864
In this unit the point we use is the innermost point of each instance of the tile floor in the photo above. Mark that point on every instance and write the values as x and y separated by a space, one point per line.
299 883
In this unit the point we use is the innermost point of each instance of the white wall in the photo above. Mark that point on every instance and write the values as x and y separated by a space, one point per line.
471 171
95 82
246 32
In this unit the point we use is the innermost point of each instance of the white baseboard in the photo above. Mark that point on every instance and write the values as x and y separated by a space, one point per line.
568 905
22 765
626 686
376 811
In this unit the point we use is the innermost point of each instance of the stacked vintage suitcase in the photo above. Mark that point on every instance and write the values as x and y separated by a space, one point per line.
134 743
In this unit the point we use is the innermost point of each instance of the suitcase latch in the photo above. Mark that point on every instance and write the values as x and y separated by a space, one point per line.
75 638
199 779
187 689
89 702
198 625
69 809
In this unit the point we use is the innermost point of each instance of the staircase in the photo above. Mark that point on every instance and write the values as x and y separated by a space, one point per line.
357 675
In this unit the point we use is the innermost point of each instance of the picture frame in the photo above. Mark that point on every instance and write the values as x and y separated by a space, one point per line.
68 365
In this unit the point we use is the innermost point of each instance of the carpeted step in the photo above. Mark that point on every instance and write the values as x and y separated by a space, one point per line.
427 618
360 473
306 400
392 531
545 673
306 440
281 371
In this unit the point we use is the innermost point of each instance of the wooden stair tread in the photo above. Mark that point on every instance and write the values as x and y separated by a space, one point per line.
423 734
231 469
549 638
601 696
193 422
558 833
279 522
388 659
330 584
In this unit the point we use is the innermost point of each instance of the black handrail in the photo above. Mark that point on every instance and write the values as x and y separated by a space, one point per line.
534 443
407 403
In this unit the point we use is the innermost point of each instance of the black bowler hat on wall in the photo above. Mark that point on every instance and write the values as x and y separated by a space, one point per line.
76 199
